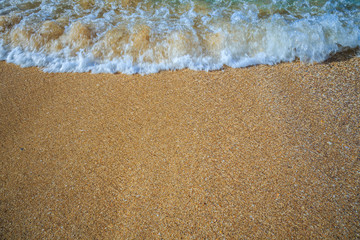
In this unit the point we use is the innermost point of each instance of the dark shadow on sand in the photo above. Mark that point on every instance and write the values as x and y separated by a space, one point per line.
344 55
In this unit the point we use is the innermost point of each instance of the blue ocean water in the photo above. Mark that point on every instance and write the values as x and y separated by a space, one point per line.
149 36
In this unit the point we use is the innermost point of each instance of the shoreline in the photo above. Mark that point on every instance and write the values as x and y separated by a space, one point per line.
256 152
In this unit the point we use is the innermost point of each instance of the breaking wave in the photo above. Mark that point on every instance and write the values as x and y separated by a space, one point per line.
149 36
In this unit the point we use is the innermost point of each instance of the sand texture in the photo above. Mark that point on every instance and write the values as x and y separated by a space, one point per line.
260 152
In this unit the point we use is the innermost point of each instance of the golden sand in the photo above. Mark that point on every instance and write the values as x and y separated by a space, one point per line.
260 152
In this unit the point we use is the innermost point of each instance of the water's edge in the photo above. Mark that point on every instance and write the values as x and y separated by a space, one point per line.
151 36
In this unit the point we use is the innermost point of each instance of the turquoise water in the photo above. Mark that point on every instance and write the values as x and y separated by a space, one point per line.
150 36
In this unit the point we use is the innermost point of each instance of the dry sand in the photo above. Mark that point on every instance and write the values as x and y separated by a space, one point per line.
261 152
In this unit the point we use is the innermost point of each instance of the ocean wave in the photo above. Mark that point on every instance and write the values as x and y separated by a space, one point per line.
150 36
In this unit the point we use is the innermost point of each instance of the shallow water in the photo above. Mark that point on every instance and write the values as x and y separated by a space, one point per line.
149 36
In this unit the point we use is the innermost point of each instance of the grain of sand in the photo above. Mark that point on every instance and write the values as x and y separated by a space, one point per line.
259 152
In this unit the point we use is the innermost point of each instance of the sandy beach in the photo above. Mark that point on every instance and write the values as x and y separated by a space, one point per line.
252 153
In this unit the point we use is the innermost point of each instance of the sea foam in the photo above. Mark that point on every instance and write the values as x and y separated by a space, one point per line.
150 36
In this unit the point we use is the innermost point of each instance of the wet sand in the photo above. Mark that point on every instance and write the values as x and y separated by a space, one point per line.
260 152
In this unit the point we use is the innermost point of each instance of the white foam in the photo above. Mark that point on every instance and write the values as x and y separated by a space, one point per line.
243 38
